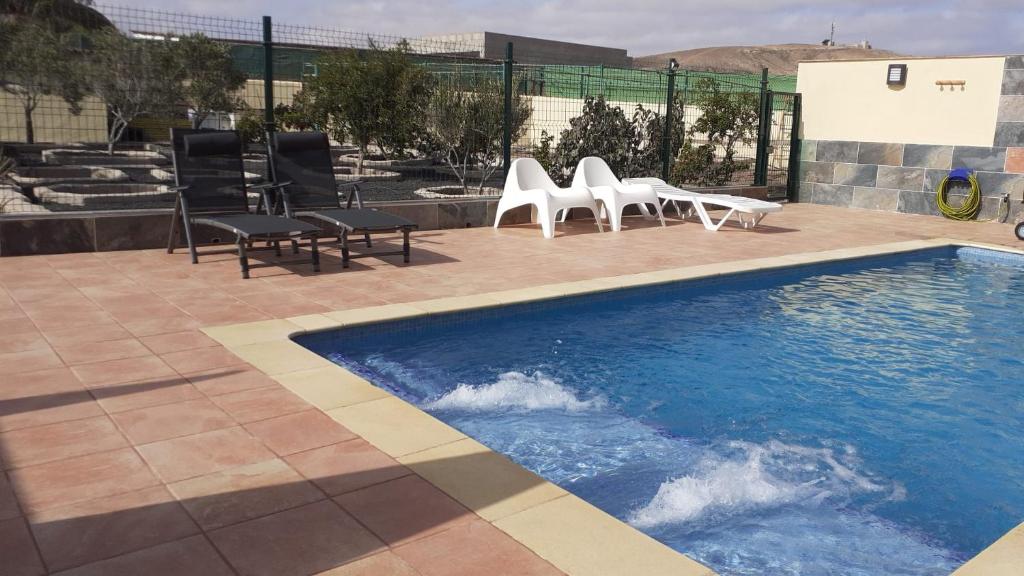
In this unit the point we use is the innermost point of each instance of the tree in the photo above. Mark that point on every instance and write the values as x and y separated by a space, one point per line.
727 119
132 77
37 62
374 96
58 15
466 124
210 78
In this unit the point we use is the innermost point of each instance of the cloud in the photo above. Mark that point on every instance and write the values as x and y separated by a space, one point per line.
653 26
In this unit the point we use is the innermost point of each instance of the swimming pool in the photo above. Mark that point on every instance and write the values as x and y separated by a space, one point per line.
861 417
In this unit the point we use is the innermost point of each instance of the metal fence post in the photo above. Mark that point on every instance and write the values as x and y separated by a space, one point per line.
764 126
666 136
506 137
268 76
793 173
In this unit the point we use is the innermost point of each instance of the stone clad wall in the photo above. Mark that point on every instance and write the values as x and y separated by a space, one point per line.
1010 118
903 177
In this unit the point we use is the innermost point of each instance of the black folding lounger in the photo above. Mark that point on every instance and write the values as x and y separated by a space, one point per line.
303 174
210 182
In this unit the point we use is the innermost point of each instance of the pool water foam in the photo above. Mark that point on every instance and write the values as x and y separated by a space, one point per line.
851 419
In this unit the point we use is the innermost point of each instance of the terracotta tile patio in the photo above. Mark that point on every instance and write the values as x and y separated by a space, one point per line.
130 442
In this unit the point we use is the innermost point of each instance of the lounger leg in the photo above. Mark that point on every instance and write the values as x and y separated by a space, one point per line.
369 243
316 253
405 244
344 249
243 257
191 244
277 247
172 236
295 246
661 215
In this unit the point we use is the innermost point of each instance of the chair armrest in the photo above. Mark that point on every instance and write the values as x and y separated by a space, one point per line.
271 185
179 189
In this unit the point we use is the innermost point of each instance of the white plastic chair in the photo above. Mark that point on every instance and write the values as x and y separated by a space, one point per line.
528 183
595 175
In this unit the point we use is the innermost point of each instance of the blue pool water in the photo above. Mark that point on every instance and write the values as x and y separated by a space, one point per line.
864 417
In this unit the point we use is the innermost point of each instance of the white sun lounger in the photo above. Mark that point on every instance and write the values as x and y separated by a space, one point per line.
748 211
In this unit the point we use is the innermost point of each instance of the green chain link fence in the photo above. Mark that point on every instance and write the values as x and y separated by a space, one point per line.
412 118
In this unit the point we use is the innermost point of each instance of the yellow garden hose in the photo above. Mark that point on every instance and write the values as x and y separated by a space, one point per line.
966 211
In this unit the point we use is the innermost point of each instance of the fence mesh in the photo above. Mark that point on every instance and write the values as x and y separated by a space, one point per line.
410 118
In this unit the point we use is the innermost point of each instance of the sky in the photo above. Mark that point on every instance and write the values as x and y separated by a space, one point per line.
918 28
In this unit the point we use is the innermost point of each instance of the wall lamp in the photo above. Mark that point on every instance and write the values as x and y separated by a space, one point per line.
897 75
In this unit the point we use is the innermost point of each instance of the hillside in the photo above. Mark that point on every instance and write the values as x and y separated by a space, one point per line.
779 58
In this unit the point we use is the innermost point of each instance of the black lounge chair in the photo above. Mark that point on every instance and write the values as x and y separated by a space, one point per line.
210 182
300 165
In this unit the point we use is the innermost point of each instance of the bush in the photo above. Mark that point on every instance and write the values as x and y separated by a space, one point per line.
250 126
727 119
630 146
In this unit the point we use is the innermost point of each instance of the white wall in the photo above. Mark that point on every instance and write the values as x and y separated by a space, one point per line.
849 100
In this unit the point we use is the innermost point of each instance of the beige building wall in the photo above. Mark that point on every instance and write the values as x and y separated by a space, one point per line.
850 101
52 120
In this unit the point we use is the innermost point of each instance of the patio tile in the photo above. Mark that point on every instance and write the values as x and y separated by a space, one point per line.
78 479
107 527
28 361
94 333
305 540
154 392
44 397
89 352
190 556
22 341
17 550
260 404
188 361
299 432
404 509
395 426
39 444
383 563
177 341
482 480
243 493
230 379
122 371
206 453
153 326
8 502
154 423
482 549
330 387
347 466
18 323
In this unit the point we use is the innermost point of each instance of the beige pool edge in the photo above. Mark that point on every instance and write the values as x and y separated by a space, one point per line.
568 532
